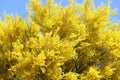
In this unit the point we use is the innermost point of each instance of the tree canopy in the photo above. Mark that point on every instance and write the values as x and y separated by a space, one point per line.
76 42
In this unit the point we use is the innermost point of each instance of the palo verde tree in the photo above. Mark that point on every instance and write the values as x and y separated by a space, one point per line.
76 42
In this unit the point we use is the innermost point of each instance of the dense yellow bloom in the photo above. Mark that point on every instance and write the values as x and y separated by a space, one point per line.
76 42
93 74
71 76
107 72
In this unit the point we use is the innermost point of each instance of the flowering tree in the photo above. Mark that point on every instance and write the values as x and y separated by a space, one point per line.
76 42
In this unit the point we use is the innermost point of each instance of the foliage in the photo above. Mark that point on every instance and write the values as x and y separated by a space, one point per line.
76 42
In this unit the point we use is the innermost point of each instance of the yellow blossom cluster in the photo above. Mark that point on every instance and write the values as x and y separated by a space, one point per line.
75 42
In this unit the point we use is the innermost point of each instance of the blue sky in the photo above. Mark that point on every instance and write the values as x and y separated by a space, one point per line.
19 6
